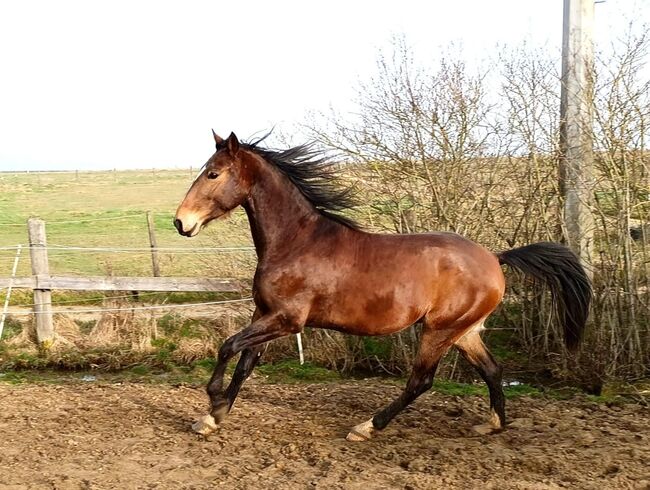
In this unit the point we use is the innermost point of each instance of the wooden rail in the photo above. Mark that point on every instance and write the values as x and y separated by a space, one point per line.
42 283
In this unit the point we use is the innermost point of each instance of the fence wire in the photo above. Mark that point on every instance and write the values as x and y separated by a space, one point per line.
129 308
71 249
83 220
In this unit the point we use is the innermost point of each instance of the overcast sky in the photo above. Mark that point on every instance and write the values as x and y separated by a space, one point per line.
139 84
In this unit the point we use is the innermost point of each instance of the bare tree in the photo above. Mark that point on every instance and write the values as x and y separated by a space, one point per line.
477 152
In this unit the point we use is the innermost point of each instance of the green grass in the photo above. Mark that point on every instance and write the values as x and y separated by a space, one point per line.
522 389
18 377
12 327
173 323
380 347
466 389
198 373
454 388
287 372
140 370
291 371
107 209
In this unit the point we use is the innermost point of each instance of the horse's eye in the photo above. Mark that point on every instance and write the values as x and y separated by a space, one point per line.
212 175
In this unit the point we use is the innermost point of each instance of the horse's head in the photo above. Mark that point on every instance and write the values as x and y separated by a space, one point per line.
223 185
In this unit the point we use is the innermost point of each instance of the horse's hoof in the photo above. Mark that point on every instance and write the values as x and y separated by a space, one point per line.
361 432
485 429
493 425
204 425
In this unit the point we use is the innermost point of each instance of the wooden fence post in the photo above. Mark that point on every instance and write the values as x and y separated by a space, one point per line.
42 297
154 246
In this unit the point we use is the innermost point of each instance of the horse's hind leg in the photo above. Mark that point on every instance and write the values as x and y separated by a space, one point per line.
433 345
473 349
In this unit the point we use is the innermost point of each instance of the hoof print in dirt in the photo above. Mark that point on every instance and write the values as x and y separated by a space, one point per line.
521 423
454 411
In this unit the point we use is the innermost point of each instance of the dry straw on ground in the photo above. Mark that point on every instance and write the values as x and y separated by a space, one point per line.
123 328
66 335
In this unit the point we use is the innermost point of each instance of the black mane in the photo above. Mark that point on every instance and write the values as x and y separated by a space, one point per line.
314 175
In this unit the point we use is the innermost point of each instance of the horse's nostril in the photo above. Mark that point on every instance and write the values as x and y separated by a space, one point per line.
179 225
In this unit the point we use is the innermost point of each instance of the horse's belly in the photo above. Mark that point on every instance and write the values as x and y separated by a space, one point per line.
377 314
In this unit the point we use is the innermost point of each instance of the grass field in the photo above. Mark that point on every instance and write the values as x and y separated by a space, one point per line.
107 209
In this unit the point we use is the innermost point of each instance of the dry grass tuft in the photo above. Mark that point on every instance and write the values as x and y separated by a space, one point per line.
123 328
190 350
66 335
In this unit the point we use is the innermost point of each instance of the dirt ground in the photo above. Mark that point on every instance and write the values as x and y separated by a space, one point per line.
110 435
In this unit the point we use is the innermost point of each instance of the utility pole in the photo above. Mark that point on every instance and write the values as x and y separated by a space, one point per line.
576 127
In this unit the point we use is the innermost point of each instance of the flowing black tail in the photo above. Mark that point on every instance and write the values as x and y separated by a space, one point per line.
561 270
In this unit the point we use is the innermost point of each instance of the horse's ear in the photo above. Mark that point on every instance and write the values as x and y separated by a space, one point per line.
218 140
232 143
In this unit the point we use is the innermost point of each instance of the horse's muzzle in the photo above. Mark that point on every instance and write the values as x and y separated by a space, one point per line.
178 224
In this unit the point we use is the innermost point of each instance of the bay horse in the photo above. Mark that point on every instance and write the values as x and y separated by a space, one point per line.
318 268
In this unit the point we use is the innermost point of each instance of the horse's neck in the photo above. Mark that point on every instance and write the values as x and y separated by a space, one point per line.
279 215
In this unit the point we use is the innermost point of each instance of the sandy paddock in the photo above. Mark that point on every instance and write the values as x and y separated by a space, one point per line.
111 435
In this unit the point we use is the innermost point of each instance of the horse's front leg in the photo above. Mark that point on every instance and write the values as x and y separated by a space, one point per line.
249 340
247 362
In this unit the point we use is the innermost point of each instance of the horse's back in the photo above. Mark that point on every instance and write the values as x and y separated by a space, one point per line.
385 282
433 253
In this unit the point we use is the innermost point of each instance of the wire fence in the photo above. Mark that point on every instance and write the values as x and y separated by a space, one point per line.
94 300
84 220
127 308
65 249
70 249
112 242
8 254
